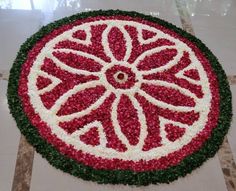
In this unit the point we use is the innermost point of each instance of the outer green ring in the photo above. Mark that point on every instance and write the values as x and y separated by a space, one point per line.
68 165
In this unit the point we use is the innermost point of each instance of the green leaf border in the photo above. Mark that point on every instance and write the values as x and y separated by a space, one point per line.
129 177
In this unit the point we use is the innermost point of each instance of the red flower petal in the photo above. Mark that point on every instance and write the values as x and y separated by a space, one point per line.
95 48
91 137
147 34
128 120
81 100
42 82
69 80
77 61
102 114
183 117
174 132
157 59
153 138
193 74
79 34
117 43
168 95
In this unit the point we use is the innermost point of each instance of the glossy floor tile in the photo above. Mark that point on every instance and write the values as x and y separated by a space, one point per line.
155 8
214 23
16 26
9 140
232 131
201 179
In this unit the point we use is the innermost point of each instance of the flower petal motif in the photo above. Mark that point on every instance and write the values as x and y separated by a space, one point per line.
157 59
117 43
80 100
78 61
94 47
69 80
139 48
153 138
168 95
128 120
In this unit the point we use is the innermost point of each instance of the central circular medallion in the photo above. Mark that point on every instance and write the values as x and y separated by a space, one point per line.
121 77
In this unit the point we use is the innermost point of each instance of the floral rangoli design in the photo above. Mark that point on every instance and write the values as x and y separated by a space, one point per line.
119 92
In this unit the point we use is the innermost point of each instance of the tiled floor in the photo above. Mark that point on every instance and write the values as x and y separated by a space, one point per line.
232 133
209 173
211 21
9 136
214 24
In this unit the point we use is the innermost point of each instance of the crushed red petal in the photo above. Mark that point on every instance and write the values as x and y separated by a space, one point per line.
117 43
79 34
168 95
42 82
174 132
157 59
193 74
128 120
77 61
91 137
146 34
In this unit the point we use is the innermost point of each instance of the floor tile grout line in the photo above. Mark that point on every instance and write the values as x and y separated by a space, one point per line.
4 74
228 165
232 79
22 177
23 167
225 154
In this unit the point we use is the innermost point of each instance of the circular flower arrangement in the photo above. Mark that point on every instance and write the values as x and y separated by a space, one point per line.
120 97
